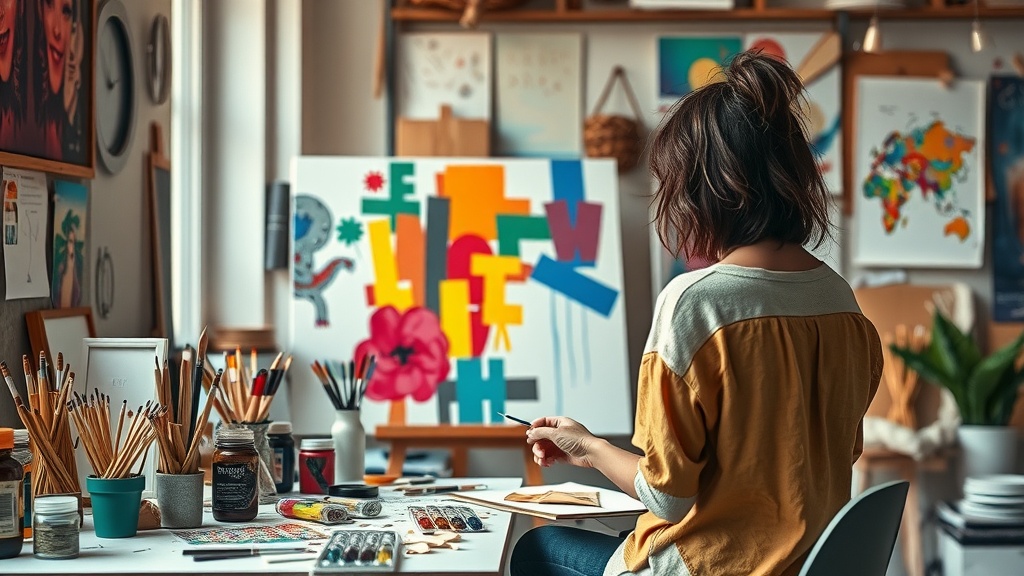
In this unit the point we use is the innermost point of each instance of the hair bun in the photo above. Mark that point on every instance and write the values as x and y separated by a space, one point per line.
766 82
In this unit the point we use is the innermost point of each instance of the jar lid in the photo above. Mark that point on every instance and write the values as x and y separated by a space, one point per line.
235 435
280 428
6 438
54 504
20 436
353 490
316 444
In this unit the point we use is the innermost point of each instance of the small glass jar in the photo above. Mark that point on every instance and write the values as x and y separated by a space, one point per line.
316 465
279 434
12 515
23 453
55 525
236 467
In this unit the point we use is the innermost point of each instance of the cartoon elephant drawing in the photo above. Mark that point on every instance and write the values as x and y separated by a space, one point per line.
313 223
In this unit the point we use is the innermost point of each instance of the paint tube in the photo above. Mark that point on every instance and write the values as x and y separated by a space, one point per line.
357 507
312 509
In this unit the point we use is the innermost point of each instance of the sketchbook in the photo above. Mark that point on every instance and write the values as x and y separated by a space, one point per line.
613 502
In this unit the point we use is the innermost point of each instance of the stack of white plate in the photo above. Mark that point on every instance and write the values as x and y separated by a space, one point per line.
997 499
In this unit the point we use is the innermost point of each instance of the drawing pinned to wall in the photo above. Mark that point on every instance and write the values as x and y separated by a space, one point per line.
486 282
538 101
823 107
26 211
443 68
70 205
919 173
1006 137
687 63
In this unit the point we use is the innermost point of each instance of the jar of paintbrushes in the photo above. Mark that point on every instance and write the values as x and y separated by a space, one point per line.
345 386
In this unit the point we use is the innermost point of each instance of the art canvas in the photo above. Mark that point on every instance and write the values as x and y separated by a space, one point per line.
919 173
443 68
67 282
689 62
823 107
483 286
537 105
1006 136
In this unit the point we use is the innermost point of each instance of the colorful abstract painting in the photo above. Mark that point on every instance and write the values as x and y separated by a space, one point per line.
480 286
689 62
1006 134
919 173
67 283
823 106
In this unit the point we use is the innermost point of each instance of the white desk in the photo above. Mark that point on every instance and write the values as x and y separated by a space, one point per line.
159 551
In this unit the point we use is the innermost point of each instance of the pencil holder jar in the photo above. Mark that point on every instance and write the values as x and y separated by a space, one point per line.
115 505
266 485
349 447
180 499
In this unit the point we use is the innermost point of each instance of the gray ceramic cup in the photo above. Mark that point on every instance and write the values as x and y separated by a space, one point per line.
180 498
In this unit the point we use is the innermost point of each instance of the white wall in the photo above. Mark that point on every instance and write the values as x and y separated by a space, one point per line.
118 204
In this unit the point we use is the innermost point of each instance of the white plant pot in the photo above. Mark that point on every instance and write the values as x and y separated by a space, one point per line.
988 450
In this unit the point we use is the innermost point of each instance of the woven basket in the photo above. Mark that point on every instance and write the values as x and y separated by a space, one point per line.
471 9
614 136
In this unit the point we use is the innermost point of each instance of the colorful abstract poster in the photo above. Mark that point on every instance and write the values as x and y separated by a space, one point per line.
1006 151
823 107
70 205
443 68
26 210
687 63
538 101
919 180
481 286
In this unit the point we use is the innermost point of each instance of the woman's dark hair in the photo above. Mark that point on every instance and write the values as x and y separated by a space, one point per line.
734 166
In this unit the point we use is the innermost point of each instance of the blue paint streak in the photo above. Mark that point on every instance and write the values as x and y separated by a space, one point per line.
567 184
569 345
471 389
556 352
586 346
563 278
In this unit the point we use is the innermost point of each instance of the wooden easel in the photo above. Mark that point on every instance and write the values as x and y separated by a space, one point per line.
458 439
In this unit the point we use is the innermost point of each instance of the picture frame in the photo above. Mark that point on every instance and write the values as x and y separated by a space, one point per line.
54 128
158 185
61 331
121 368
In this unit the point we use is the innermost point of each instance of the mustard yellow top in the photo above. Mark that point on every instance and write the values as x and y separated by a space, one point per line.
752 390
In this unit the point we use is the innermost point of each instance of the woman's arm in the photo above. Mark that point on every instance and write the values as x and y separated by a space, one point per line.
557 439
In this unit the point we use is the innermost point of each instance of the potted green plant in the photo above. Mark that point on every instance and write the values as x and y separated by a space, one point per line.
984 388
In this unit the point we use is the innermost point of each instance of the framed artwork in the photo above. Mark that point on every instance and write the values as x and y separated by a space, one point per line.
158 183
121 368
60 331
46 87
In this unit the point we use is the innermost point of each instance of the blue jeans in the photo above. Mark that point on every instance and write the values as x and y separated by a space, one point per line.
562 551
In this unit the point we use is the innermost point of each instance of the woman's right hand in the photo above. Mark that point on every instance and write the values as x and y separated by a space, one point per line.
557 438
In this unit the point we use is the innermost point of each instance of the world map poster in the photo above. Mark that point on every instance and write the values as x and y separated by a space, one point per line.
919 181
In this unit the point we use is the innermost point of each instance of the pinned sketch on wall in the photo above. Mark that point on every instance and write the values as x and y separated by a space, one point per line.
67 283
480 285
823 106
26 210
538 101
689 62
1006 135
443 68
920 181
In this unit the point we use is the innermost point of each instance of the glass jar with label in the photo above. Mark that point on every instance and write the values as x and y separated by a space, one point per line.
279 434
316 465
235 476
12 511
23 453
55 523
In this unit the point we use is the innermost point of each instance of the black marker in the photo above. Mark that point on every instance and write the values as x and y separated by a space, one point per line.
514 419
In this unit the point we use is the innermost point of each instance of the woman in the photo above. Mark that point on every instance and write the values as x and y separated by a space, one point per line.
52 41
12 72
758 369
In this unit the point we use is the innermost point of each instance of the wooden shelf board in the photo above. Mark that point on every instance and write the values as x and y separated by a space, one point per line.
412 14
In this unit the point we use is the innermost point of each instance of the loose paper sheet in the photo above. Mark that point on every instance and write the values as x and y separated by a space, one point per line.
26 212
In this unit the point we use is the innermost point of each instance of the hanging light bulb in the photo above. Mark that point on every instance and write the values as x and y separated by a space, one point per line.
873 37
979 41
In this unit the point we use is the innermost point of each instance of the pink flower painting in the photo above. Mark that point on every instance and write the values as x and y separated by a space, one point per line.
411 354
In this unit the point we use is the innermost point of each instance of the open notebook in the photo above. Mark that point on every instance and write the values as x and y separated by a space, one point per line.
612 502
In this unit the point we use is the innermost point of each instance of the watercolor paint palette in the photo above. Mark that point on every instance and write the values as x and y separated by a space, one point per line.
350 551
429 519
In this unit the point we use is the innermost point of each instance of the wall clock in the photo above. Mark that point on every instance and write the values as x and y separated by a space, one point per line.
115 86
158 60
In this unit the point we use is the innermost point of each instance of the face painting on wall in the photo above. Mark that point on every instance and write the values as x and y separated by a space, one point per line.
471 283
